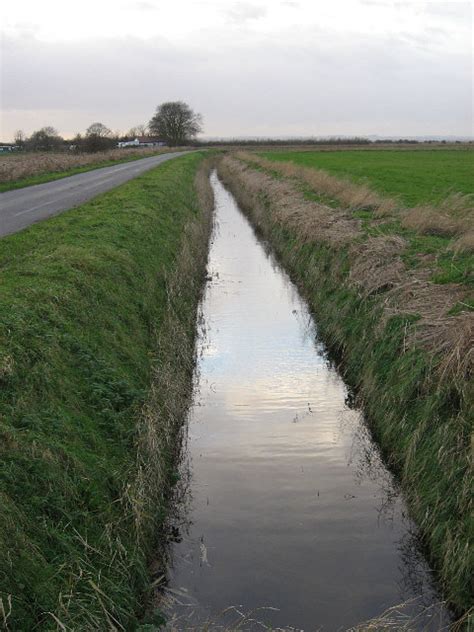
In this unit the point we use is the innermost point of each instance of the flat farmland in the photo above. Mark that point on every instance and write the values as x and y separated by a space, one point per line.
413 176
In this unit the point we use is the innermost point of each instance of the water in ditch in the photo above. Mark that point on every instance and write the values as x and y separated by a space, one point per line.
284 511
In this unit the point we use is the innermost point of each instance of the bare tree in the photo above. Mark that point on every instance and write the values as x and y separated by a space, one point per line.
45 139
20 138
98 129
138 130
98 138
142 129
49 130
175 123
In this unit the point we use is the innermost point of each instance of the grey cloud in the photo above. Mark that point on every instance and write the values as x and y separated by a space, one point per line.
455 11
242 12
139 5
306 82
24 29
144 6
377 3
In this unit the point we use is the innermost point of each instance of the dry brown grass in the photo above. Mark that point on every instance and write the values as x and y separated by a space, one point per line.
26 165
465 243
410 616
449 338
454 216
312 221
376 262
349 194
453 340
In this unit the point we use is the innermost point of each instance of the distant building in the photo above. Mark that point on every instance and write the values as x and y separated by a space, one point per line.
6 148
143 141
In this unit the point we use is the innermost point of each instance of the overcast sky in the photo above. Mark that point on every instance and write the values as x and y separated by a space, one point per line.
252 68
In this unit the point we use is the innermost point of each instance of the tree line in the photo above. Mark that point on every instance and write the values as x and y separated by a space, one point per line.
174 123
98 137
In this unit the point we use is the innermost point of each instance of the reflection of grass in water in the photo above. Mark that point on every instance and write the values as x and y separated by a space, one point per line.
410 616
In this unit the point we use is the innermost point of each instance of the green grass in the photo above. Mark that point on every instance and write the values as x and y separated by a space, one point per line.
413 176
83 301
58 175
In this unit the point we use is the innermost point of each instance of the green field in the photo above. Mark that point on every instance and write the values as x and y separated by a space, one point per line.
413 176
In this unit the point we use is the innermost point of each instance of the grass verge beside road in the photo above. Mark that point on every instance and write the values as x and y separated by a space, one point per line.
404 336
27 169
97 323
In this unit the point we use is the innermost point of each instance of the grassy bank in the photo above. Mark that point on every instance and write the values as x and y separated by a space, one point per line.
97 320
404 337
436 238
26 169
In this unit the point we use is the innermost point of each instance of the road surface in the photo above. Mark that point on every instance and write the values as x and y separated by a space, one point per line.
23 207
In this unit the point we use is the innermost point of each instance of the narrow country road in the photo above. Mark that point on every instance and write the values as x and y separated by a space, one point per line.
23 207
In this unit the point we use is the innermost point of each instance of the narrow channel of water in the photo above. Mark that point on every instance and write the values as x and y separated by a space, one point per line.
285 507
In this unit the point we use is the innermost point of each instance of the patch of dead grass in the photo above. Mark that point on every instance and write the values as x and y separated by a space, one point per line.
409 616
26 165
452 339
454 216
448 338
312 221
464 243
351 195
376 265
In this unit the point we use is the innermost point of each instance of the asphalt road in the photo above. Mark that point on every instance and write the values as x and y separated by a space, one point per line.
23 207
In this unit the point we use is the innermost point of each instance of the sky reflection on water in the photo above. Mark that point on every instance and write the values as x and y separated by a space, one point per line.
284 501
